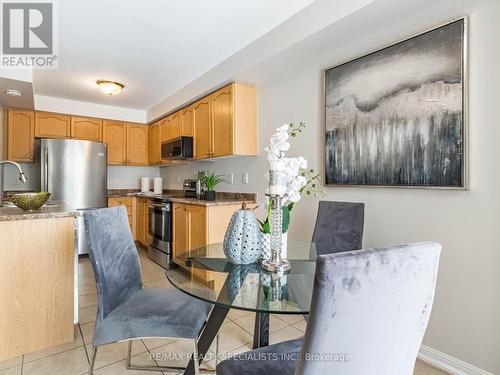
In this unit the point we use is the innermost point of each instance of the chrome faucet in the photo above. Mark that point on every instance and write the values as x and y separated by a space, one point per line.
22 177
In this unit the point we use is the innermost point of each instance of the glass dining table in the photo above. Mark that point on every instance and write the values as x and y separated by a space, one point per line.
206 274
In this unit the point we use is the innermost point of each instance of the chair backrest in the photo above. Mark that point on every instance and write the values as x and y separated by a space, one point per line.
339 227
369 310
113 256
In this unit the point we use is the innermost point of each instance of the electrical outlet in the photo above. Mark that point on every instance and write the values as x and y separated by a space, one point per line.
178 179
244 178
230 178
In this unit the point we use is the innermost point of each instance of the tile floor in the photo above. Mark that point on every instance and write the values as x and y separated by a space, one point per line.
73 358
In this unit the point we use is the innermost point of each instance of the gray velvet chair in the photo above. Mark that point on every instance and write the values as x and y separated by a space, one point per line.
339 227
368 315
126 311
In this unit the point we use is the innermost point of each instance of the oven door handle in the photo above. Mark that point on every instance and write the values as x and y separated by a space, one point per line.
159 206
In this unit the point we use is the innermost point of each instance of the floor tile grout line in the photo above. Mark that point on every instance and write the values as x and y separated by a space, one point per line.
54 354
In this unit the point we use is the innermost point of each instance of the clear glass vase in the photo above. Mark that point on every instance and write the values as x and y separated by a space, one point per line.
276 263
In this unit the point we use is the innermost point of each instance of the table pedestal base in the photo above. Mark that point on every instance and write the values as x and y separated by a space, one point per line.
208 334
261 330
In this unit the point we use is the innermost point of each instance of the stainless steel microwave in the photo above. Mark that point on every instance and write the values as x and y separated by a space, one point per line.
177 149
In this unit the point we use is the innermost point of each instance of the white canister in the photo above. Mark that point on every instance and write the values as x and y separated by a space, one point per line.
158 185
145 184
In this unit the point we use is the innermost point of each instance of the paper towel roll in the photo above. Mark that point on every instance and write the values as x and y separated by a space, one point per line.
144 184
158 185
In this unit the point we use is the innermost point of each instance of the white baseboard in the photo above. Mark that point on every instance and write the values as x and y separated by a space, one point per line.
448 363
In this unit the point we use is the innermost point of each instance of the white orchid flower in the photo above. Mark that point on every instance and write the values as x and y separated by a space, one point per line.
283 128
295 197
302 162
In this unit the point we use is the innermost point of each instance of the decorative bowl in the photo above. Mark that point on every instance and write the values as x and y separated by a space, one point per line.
30 201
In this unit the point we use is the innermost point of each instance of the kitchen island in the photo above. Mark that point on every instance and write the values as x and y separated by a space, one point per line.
37 263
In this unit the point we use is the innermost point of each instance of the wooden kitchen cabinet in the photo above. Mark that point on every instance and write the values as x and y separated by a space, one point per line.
189 227
165 129
86 128
225 122
222 121
187 121
128 202
19 135
137 144
37 276
194 226
202 129
180 228
114 134
175 124
52 125
142 221
154 144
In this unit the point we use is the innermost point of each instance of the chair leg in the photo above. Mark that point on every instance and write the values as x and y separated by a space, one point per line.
197 369
92 360
129 354
195 358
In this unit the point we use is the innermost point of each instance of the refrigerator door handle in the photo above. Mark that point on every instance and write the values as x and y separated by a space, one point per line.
46 169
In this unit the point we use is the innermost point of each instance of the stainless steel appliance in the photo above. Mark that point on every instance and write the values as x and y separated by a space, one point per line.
160 230
75 172
177 149
191 187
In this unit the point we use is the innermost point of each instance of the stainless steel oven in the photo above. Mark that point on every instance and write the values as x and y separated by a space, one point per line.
160 230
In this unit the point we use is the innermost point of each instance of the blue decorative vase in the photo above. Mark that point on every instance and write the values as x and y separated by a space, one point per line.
242 238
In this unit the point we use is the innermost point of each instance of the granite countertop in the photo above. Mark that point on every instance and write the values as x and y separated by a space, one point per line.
54 210
217 202
177 196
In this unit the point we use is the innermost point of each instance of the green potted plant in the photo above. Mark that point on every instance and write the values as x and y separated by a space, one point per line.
210 180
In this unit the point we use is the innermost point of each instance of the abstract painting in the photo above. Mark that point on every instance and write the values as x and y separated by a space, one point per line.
396 117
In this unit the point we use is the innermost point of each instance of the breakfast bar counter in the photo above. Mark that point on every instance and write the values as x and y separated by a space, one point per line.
37 263
49 211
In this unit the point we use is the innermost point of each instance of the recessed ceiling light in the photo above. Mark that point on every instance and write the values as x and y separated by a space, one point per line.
110 87
12 92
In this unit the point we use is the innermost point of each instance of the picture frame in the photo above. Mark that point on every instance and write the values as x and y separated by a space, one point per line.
431 159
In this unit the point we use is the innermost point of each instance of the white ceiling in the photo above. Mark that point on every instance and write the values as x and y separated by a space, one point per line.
154 47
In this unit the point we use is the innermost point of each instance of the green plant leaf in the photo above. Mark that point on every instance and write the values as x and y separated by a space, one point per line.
264 226
286 219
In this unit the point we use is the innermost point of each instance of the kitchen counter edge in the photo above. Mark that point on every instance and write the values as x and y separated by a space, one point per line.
60 210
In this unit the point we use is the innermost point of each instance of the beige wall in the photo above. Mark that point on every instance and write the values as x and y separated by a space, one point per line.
465 322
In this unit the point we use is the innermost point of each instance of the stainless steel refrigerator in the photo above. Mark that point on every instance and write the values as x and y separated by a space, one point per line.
75 172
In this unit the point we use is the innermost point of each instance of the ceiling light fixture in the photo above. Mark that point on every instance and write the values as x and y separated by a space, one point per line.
12 92
110 87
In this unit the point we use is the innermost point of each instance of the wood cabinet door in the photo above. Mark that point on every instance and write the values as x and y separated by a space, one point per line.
142 221
145 222
197 219
127 202
202 129
85 128
165 129
114 134
20 135
187 121
52 125
154 144
137 144
222 121
180 229
176 125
